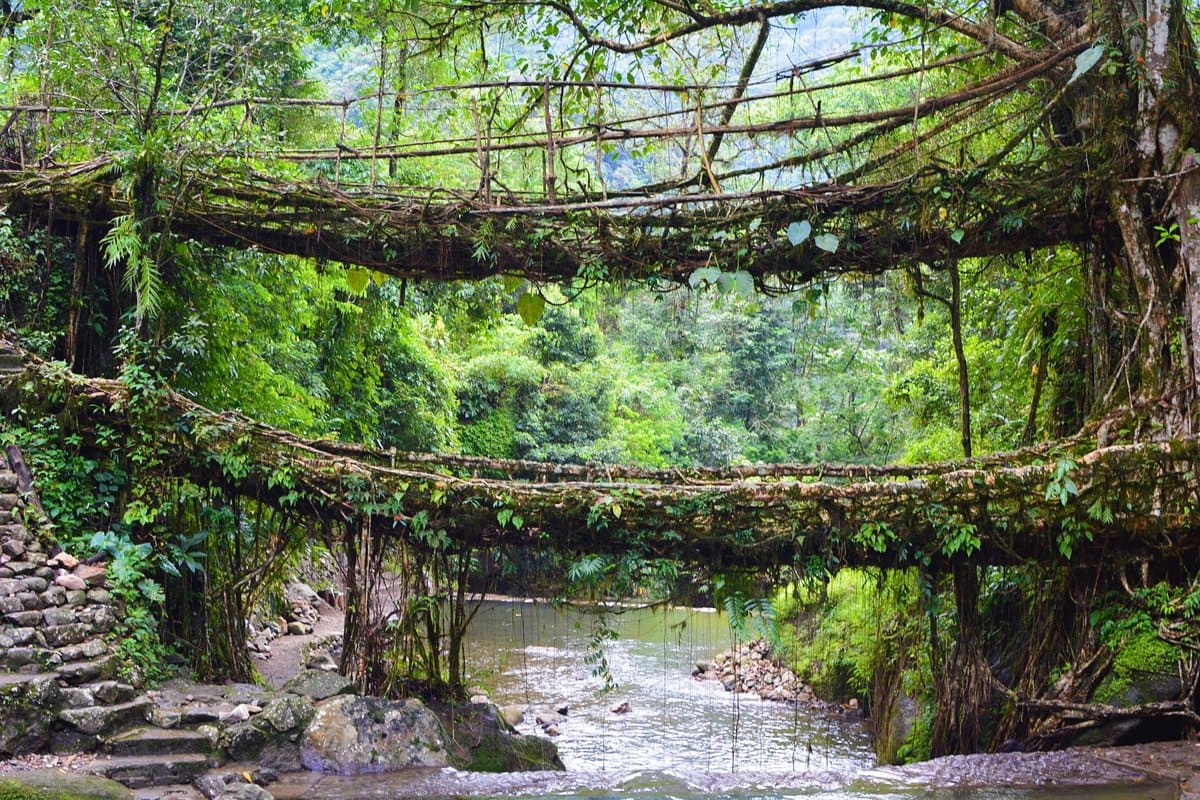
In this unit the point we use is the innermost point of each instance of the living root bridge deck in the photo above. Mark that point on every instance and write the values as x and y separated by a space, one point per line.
1120 502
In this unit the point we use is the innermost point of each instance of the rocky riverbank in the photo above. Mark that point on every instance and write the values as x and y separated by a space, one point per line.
751 669
61 692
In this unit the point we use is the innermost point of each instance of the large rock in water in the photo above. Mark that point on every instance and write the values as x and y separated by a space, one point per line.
352 735
484 742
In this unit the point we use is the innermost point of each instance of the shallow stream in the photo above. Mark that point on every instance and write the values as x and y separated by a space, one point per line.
684 739
681 738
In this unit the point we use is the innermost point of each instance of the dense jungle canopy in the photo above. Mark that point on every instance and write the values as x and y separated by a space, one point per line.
666 234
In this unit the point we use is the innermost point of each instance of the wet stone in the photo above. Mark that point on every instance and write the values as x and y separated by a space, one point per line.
165 717
19 656
102 618
13 547
25 619
78 697
22 636
34 584
44 572
53 596
72 583
55 616
59 635
99 596
29 600
93 648
73 652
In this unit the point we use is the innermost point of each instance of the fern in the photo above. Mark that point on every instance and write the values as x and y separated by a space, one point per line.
124 243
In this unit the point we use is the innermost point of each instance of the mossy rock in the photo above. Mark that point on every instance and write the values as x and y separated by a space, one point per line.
513 752
1145 670
54 784
28 706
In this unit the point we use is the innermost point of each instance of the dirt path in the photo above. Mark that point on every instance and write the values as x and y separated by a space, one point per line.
287 651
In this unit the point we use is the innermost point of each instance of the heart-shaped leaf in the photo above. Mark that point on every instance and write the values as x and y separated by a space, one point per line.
357 280
531 306
797 232
827 242
703 275
743 282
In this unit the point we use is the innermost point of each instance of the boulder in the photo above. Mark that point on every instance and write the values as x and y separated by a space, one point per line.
287 714
27 711
55 783
353 735
272 737
319 684
512 715
482 741
244 791
301 594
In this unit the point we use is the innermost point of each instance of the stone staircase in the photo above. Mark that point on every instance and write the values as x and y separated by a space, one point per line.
59 691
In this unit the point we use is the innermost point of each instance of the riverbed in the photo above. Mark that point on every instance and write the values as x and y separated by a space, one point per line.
684 739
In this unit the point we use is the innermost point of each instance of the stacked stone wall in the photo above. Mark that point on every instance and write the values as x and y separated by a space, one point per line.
55 609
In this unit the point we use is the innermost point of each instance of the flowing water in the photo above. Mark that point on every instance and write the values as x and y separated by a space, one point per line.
681 738
684 739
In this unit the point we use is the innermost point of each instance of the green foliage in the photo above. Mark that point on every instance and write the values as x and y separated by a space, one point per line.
839 631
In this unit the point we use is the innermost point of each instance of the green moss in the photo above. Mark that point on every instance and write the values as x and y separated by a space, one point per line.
506 753
492 434
52 784
1143 656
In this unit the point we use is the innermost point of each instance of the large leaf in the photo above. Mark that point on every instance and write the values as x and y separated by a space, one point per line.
743 282
531 306
827 242
797 232
705 275
357 280
1086 60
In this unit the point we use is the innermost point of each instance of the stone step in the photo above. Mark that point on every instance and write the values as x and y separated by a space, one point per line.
103 720
78 672
89 694
11 361
138 772
169 791
150 741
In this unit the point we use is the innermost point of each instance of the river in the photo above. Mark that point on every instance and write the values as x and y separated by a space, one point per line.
681 738
684 739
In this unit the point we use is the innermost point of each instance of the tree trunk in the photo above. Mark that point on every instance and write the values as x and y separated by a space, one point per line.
965 691
960 356
1156 202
